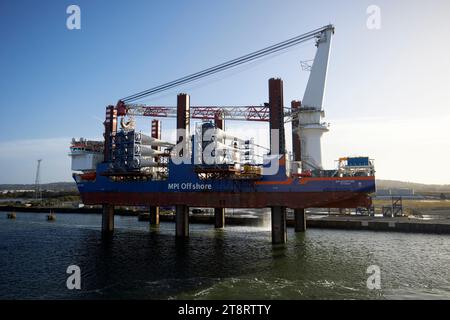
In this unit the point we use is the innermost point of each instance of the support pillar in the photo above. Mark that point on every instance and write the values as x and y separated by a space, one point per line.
299 213
182 221
276 115
154 216
155 133
108 219
219 122
219 213
219 218
296 144
110 128
300 220
183 125
279 231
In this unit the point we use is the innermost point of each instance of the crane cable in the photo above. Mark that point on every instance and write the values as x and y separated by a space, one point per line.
229 64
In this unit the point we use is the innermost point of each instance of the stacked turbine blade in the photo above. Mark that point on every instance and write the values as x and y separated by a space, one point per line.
133 151
225 147
123 151
146 151
147 140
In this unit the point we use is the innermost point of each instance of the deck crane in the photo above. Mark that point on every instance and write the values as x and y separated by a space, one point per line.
320 34
310 127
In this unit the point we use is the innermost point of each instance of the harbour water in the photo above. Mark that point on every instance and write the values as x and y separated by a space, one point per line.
140 262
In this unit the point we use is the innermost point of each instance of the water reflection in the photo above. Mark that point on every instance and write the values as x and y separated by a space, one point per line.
145 262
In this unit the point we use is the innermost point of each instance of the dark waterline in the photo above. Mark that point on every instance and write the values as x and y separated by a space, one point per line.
140 262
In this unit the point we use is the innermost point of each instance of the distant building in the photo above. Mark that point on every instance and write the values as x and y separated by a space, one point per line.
16 190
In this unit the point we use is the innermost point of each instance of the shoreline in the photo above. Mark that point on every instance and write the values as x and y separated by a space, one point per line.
362 223
119 212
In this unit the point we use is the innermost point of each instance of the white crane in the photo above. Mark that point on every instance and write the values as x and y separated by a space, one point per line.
311 127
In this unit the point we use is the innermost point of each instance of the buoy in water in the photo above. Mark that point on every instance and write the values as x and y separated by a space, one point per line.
11 215
51 217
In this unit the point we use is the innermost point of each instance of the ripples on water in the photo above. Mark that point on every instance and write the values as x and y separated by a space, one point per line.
236 263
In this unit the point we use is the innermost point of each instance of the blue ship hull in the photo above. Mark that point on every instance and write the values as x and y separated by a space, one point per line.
183 186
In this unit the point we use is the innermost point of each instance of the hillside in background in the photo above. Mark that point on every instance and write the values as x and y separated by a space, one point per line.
418 187
55 186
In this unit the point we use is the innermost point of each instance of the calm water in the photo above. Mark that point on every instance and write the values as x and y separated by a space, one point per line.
236 263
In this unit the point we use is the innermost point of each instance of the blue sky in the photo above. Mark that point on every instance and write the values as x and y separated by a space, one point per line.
387 96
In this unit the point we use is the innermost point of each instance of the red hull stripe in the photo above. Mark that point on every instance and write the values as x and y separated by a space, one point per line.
305 180
230 199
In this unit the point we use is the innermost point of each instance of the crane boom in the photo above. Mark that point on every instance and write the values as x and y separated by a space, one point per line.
313 97
315 89
318 33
